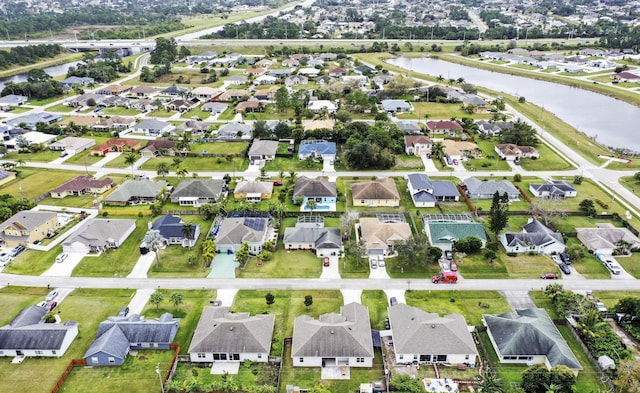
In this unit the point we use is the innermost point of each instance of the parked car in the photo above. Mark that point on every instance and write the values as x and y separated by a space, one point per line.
52 295
556 259
381 262
448 254
42 304
16 251
453 266
4 257
124 311
373 263
549 276
565 268
601 307
393 301
51 306
326 262
448 277
387 325
277 182
565 258
60 258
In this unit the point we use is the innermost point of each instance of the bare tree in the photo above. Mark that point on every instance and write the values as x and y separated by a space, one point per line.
545 209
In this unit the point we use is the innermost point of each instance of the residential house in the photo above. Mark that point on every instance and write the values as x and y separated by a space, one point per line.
359 81
144 91
322 191
529 336
82 185
484 189
223 336
152 127
365 69
28 336
205 93
425 192
159 147
27 227
253 191
214 107
376 193
394 107
118 335
114 123
11 100
418 145
511 152
253 228
29 121
460 150
235 131
535 237
310 125
114 90
493 129
408 126
423 337
266 94
198 192
334 340
251 105
381 80
308 71
337 72
231 95
317 106
265 80
253 71
606 238
175 91
99 234
136 192
31 137
175 231
317 149
116 145
195 127
381 233
557 189
444 231
68 83
82 121
264 63
72 144
311 234
237 80
443 126
478 104
296 80
182 104
263 150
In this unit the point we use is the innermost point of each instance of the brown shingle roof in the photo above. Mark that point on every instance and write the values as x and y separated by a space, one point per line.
379 189
82 183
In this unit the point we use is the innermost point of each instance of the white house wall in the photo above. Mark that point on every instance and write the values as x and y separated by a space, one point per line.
208 358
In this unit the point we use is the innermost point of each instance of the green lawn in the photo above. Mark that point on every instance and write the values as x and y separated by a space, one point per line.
189 312
31 182
136 374
41 156
284 264
249 375
88 307
548 161
229 114
119 111
196 112
376 300
84 201
292 164
490 160
115 262
33 262
13 299
84 158
195 164
442 111
470 304
630 264
61 108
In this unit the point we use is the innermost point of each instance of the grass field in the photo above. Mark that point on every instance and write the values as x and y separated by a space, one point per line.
196 164
41 156
467 303
32 182
88 307
284 264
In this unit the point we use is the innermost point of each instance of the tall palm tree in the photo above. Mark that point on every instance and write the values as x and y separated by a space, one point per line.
277 209
176 162
162 169
182 172
208 250
440 78
154 241
188 230
311 204
437 150
130 159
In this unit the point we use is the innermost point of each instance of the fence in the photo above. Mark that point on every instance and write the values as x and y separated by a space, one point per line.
174 364
73 363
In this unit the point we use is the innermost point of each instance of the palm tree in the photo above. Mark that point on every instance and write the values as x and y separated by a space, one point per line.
130 159
277 209
208 250
553 291
188 230
176 162
440 78
162 169
154 241
437 150
310 205
591 323
20 162
182 172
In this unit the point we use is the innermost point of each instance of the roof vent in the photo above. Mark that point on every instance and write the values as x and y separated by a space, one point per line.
231 328
433 326
332 332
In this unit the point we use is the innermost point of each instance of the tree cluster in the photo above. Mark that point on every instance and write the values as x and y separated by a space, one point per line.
373 147
22 55
102 71
522 134
39 85
417 252
537 379
10 205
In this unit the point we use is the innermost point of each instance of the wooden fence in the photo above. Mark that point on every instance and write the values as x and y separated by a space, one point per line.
73 363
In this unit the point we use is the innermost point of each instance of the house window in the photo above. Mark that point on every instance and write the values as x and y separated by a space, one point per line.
359 360
415 357
466 357
145 345
441 358
259 356
401 357
94 360
202 355
112 360
39 352
54 352
301 360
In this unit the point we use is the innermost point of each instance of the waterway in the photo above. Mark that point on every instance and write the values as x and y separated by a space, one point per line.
53 71
610 121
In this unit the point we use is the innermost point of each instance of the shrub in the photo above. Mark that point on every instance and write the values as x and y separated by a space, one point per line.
512 254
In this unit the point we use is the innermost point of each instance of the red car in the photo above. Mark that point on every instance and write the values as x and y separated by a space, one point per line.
326 262
453 266
277 182
549 276
51 305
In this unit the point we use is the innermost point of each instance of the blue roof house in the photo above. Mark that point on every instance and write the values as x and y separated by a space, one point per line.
425 192
172 229
317 148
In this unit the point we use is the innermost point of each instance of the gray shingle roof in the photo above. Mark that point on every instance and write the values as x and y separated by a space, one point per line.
27 220
347 334
236 230
263 148
319 237
97 231
112 342
251 187
26 332
530 332
417 331
306 187
384 188
535 234
198 188
222 331
476 186
136 188
28 316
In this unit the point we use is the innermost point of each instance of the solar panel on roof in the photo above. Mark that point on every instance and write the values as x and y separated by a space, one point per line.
257 224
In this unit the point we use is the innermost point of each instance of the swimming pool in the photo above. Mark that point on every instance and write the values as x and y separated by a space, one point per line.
318 207
223 266
64 218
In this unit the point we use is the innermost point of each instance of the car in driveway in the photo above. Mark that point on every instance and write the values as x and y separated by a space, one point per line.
556 259
60 258
373 263
124 311
277 182
393 301
381 262
601 307
549 276
326 263
448 254
51 305
52 295
453 266
16 251
565 268
4 258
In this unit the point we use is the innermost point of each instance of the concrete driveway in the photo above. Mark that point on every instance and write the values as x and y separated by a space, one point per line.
331 271
351 295
226 296
139 300
327 166
65 268
142 266
397 293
